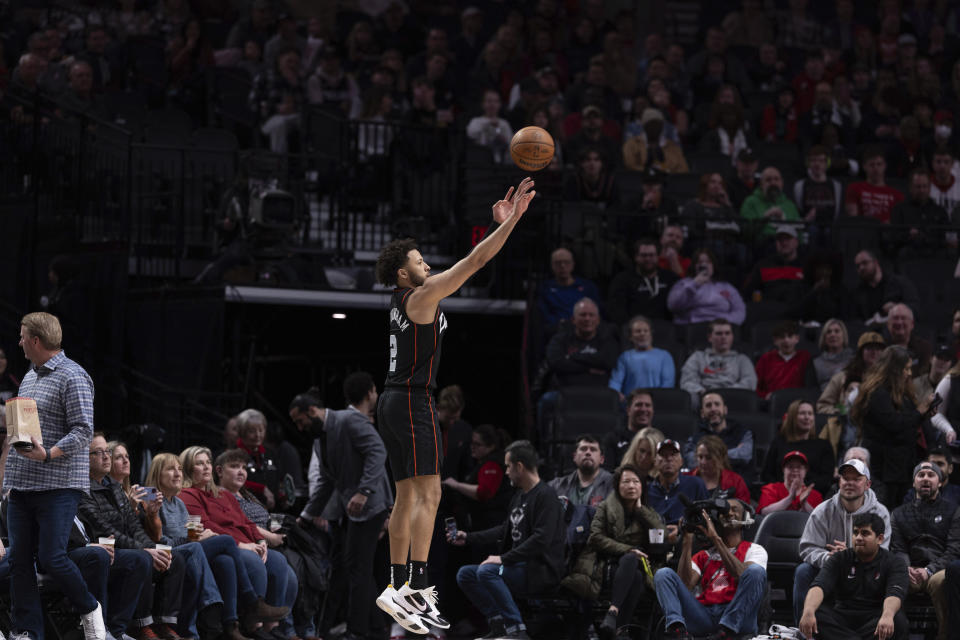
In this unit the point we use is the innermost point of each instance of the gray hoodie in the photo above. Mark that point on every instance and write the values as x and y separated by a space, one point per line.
830 521
708 369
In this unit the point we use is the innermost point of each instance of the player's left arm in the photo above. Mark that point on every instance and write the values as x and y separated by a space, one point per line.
507 212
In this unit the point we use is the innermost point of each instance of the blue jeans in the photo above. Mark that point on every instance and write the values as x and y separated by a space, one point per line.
490 588
803 577
50 512
230 574
739 615
270 579
117 586
199 587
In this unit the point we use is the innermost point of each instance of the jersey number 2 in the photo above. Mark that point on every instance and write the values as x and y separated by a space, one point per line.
393 353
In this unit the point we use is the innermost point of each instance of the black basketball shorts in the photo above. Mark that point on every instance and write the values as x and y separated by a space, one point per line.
410 429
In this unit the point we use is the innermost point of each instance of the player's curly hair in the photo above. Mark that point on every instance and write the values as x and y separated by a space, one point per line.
392 257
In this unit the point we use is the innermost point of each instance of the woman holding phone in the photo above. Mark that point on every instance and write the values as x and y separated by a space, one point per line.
702 298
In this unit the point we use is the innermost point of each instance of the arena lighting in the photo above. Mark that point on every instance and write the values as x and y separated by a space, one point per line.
339 316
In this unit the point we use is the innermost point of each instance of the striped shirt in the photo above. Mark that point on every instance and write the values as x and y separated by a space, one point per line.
64 395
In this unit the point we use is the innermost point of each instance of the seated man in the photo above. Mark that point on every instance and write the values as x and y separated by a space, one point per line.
941 457
106 513
784 366
531 544
718 366
827 530
585 355
557 296
115 577
664 492
644 365
714 422
729 579
589 483
642 289
926 536
867 584
639 417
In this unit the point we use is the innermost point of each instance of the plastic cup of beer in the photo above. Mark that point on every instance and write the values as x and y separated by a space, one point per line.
194 527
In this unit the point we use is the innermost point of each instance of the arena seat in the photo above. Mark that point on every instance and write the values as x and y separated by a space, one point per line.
779 534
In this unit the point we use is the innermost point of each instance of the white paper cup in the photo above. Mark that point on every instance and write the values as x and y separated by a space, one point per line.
109 541
656 536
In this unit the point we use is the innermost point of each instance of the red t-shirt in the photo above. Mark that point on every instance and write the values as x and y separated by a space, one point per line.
717 586
777 491
684 264
873 201
773 372
488 480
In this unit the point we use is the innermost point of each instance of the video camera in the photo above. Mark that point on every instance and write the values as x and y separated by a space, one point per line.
693 517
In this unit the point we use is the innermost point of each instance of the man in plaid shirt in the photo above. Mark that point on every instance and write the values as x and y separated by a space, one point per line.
47 481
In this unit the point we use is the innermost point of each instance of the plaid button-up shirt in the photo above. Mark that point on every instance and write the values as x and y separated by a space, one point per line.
64 395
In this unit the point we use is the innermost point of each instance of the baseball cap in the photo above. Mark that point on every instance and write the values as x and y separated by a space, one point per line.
795 454
786 229
590 109
907 38
928 465
650 114
944 352
856 465
653 176
871 337
666 444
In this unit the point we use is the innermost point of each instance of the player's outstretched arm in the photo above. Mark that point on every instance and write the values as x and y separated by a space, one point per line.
508 212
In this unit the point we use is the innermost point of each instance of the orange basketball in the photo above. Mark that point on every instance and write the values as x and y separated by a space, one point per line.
531 148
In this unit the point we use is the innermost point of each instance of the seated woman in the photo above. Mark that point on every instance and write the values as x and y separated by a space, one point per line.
713 467
835 351
791 494
229 569
263 477
484 490
701 298
836 398
642 454
620 531
220 512
798 433
120 472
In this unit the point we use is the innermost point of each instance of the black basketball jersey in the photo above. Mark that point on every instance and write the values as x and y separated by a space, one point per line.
414 348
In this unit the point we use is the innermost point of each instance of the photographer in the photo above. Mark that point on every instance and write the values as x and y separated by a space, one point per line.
731 576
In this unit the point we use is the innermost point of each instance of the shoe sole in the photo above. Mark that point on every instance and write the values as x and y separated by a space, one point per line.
401 617
424 617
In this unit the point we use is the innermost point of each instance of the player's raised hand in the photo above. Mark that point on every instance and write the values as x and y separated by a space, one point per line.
516 201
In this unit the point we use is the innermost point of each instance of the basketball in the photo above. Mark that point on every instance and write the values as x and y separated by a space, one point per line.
531 148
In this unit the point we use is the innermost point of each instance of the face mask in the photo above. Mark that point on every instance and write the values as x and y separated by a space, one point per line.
943 131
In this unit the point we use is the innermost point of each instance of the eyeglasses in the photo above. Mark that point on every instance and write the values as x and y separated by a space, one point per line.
103 453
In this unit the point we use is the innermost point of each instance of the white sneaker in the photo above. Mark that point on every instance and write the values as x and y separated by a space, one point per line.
93 627
423 602
393 604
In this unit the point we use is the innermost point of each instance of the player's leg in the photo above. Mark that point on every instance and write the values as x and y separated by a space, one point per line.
418 592
391 601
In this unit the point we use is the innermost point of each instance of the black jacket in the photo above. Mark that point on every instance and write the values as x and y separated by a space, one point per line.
891 436
867 300
106 512
926 533
533 533
579 362
632 293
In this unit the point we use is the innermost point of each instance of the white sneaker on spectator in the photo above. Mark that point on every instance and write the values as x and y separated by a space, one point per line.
423 602
396 606
93 627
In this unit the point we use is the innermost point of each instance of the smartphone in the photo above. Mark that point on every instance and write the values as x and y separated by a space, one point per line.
150 495
451 526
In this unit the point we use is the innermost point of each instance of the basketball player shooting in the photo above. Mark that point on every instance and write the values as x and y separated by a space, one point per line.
406 413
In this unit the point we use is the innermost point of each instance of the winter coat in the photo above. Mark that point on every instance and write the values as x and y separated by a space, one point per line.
610 538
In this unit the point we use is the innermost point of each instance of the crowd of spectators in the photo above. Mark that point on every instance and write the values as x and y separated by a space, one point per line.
801 125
